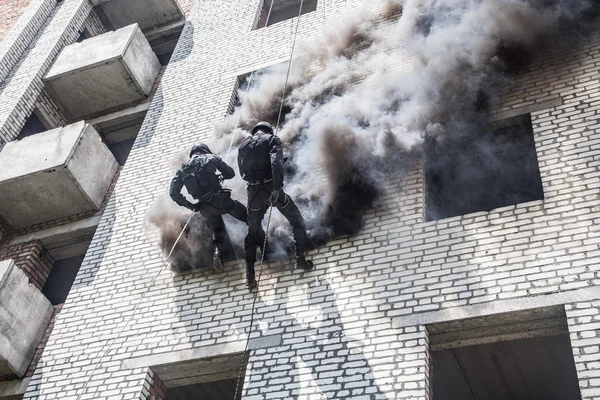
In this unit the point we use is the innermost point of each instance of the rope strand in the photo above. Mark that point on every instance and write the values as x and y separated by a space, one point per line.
241 370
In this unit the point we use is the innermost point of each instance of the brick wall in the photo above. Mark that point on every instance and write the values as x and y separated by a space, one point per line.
584 326
22 33
32 259
49 112
11 10
153 388
19 92
363 311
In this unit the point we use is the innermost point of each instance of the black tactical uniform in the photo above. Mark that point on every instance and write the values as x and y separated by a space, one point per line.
260 159
200 177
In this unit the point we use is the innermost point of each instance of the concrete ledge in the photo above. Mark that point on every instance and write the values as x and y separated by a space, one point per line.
14 388
24 316
202 352
54 174
64 241
526 110
164 39
103 73
121 125
497 307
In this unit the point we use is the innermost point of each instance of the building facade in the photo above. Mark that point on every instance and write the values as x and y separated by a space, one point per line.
499 304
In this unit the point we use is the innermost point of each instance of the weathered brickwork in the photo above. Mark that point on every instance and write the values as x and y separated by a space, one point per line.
19 92
32 259
11 10
584 326
154 388
15 36
49 112
354 327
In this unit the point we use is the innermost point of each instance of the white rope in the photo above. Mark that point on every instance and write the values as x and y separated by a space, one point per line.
241 370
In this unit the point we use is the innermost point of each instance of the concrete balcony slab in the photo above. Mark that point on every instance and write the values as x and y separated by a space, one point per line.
24 316
54 174
103 73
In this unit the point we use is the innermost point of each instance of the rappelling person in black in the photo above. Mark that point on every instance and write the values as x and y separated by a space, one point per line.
202 176
260 159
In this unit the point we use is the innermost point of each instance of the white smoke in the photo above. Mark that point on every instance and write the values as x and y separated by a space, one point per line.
362 97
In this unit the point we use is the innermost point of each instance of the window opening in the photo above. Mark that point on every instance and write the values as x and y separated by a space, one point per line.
203 379
32 126
520 356
61 278
483 171
283 10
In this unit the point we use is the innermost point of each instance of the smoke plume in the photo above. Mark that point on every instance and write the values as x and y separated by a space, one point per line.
362 99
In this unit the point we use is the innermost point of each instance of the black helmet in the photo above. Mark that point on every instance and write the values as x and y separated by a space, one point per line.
263 126
200 148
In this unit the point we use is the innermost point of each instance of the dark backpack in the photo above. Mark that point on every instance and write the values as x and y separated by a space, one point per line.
188 171
254 159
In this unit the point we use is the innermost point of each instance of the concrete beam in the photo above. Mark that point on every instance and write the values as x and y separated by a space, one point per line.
13 389
121 125
201 353
164 39
24 316
54 174
64 241
103 73
148 14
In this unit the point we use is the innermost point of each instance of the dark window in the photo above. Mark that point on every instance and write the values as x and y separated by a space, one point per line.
59 283
84 35
251 80
481 172
500 358
33 126
121 150
204 379
274 11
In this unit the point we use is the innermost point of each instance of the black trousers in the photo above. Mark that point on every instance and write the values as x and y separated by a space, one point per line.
217 205
258 204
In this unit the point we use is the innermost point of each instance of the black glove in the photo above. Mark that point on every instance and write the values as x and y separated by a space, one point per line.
196 207
274 197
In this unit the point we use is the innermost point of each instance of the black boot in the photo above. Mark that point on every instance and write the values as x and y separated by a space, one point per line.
218 260
250 281
251 284
304 264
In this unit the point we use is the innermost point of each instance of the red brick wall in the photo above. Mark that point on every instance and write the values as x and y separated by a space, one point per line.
10 11
32 258
154 388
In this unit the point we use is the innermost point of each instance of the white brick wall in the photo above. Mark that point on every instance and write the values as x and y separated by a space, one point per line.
363 310
20 90
22 34
584 326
